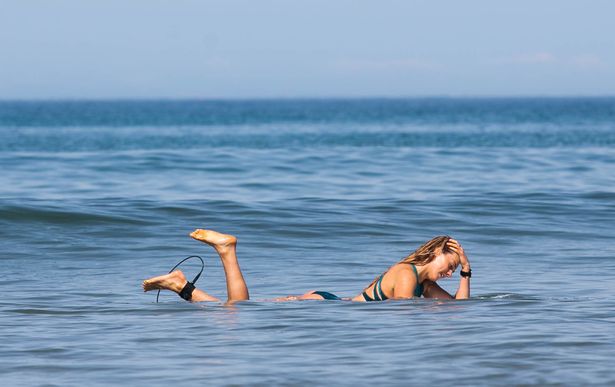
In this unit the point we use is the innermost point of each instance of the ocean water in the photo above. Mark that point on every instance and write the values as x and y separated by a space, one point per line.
322 194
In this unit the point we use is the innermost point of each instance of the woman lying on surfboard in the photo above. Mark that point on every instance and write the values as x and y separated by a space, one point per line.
414 276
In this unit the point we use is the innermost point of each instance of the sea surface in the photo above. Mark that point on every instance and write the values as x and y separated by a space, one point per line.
96 196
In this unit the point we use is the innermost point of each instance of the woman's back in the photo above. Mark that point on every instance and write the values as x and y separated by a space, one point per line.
384 286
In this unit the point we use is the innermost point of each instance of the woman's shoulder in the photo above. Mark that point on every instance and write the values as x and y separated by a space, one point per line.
401 270
403 281
401 267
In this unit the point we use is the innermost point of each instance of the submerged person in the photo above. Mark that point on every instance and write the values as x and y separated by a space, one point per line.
414 276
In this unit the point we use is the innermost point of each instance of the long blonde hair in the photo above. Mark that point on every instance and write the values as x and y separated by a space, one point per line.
424 254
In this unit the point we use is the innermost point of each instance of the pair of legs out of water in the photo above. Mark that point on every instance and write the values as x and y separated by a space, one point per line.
236 288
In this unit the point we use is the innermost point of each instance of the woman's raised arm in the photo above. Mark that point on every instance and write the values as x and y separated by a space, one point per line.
463 291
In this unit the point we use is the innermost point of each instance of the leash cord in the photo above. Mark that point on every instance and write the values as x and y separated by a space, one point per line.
182 261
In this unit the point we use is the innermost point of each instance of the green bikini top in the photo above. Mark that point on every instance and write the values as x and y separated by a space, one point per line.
378 294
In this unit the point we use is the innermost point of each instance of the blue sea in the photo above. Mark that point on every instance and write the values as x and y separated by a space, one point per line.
96 196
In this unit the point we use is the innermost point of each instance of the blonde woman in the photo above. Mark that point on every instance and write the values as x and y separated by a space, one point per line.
414 276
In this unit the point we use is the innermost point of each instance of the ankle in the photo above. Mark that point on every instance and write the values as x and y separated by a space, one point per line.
186 292
179 285
226 250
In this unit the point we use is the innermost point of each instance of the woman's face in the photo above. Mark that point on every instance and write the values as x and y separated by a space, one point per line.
443 265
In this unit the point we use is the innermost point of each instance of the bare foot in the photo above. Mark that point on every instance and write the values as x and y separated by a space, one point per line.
220 242
174 281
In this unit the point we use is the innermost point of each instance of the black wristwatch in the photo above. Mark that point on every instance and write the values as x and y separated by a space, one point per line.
466 274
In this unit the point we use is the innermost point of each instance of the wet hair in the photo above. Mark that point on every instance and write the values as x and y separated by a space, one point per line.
424 254
428 251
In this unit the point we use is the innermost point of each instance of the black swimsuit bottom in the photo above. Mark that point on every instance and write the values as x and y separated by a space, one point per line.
327 295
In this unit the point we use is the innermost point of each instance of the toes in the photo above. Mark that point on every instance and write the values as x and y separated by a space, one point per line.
197 234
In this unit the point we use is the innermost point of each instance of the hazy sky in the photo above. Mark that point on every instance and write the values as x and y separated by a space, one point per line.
285 48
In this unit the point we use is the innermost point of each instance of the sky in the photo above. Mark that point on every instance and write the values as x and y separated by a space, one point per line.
119 49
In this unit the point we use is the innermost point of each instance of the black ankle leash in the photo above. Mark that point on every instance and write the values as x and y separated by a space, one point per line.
186 292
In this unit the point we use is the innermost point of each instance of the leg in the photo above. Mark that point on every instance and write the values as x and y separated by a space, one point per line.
175 282
225 245
307 296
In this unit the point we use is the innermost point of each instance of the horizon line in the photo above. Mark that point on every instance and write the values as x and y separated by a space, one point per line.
306 98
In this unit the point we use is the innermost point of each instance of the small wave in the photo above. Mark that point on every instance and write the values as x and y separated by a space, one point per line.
527 297
29 214
506 296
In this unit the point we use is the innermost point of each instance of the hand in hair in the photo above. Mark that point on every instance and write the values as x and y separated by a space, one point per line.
456 247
